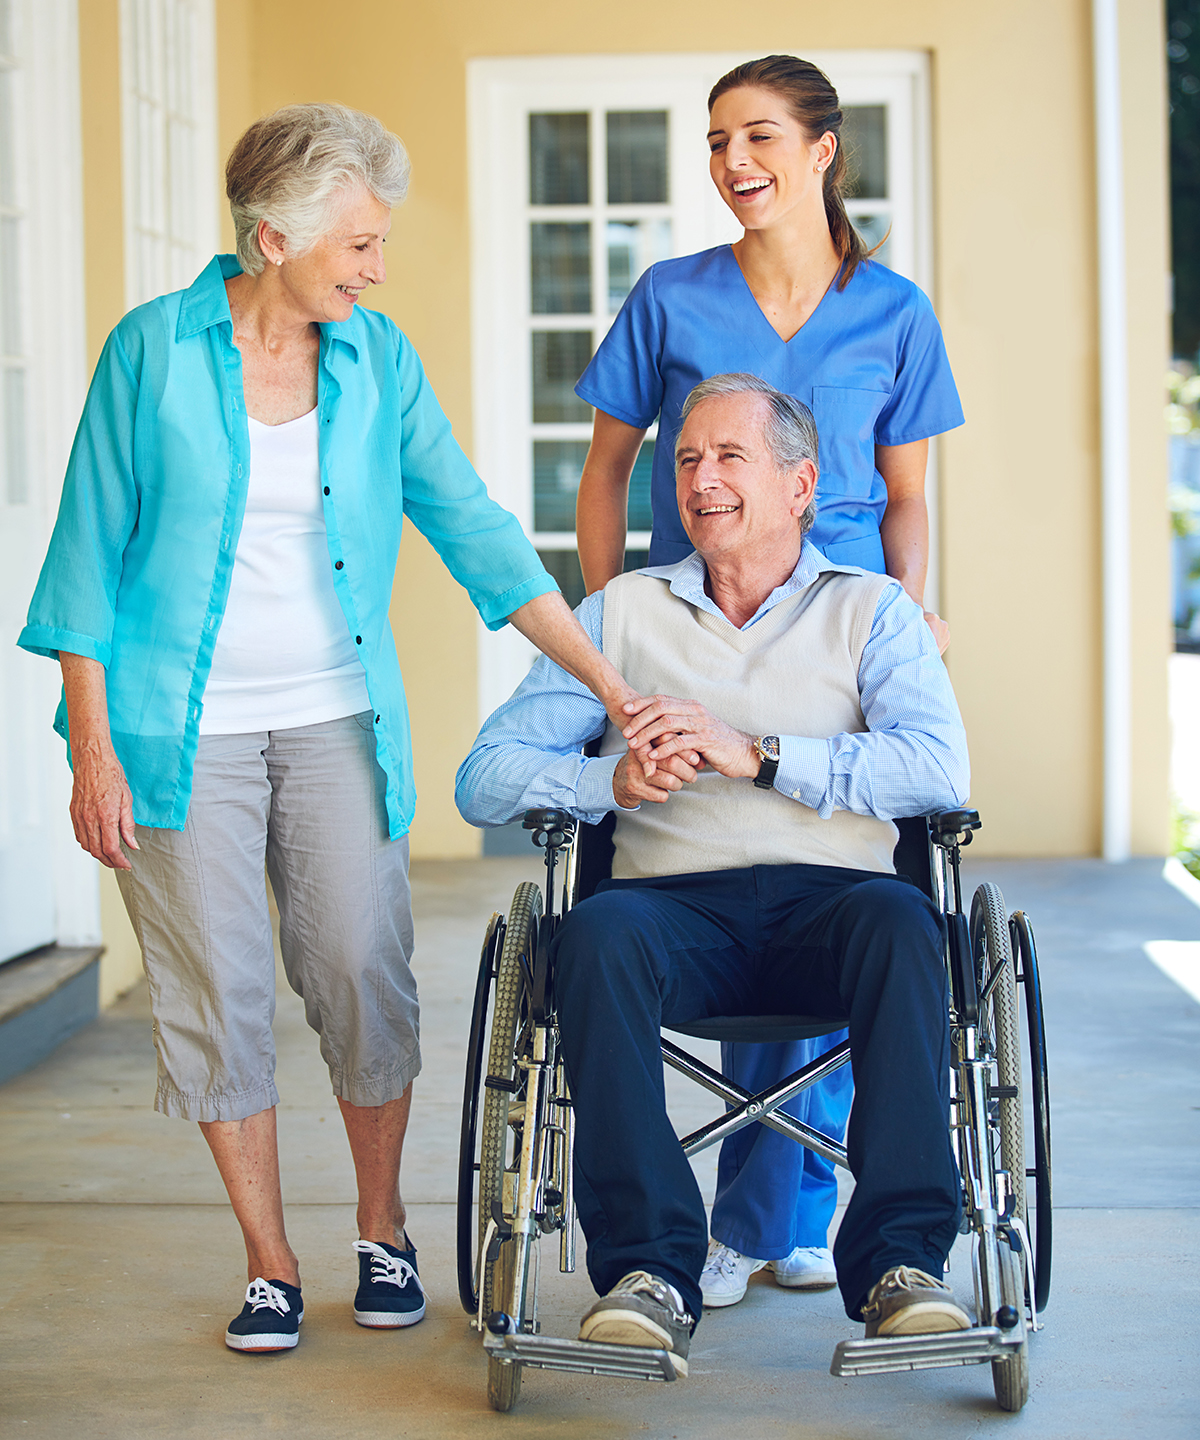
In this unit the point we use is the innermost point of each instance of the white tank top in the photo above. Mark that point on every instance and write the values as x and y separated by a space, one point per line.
284 655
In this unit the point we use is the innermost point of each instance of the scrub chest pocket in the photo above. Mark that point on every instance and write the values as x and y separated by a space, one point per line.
846 424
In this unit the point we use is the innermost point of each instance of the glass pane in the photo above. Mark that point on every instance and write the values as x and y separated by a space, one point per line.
560 269
639 489
873 228
864 134
8 176
10 286
563 566
558 160
557 466
16 488
559 359
633 246
637 157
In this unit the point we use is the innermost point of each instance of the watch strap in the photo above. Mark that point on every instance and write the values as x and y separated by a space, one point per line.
767 749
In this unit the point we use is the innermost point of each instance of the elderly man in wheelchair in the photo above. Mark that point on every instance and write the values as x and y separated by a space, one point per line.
752 875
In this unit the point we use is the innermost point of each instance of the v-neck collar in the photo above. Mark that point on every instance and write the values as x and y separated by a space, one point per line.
775 337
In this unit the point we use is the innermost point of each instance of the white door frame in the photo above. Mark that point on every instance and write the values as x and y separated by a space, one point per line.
501 90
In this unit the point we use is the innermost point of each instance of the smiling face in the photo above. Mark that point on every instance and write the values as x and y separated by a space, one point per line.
737 506
762 164
324 283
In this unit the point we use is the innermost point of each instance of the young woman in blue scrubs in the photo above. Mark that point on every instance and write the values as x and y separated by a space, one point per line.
798 302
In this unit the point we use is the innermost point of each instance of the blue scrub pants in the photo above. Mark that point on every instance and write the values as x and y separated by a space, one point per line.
772 1194
783 939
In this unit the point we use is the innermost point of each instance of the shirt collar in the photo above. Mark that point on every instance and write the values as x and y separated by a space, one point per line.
687 578
205 304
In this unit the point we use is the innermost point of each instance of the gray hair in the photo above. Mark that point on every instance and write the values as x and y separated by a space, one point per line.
789 430
293 169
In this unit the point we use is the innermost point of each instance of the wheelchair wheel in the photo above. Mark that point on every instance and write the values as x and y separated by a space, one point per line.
999 1028
468 1153
1041 1220
504 1091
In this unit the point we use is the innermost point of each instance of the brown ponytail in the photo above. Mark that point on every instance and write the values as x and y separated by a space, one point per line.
813 102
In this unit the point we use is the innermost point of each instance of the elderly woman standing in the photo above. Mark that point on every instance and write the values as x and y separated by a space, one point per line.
217 592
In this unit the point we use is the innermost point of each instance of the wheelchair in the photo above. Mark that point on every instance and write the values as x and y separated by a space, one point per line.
516 1145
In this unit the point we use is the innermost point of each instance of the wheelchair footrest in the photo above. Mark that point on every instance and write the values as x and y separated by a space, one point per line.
924 1352
585 1357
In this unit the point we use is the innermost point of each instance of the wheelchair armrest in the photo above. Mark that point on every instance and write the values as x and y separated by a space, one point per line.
547 820
946 826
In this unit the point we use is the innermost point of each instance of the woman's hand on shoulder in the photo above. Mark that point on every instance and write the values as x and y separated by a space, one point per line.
101 805
941 631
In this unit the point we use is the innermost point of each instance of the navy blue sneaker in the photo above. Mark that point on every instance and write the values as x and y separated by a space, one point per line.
389 1291
270 1318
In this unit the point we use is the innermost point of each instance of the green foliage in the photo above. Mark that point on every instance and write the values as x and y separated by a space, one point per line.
1185 837
1183 418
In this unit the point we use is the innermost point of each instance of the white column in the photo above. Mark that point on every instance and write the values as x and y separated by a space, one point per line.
1114 430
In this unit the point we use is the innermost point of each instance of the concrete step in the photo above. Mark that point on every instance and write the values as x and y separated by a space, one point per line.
45 997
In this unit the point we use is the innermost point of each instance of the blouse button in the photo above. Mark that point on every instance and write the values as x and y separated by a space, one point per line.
337 565
358 639
327 489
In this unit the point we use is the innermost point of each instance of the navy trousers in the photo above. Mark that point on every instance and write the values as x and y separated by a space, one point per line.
774 939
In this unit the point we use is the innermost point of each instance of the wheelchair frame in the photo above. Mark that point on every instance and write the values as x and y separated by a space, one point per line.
523 1096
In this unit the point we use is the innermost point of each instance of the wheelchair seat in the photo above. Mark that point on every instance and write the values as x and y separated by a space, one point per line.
757 1029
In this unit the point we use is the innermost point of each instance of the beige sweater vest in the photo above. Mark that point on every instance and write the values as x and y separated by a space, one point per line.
793 672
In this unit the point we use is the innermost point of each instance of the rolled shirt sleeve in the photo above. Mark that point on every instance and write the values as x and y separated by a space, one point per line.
912 758
480 543
528 754
74 605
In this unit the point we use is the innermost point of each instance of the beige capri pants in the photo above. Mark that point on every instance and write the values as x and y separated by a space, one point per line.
308 803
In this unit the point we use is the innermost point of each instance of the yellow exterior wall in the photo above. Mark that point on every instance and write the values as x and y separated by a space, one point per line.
1147 208
1015 290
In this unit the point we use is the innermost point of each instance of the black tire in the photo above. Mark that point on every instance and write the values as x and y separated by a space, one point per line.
510 1023
999 1026
468 1154
1010 1376
1041 1213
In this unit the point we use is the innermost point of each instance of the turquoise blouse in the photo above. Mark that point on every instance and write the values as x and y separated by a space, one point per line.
141 557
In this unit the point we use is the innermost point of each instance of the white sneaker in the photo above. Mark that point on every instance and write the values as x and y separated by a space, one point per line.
725 1275
806 1268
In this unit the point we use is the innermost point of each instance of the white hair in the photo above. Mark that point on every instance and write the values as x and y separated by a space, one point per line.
790 430
295 167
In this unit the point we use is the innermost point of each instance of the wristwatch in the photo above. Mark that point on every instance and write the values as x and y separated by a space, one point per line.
766 747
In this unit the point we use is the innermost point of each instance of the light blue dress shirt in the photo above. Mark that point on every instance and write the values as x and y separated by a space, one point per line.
911 760
869 362
139 565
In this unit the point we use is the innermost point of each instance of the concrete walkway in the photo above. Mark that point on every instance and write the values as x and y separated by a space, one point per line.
120 1263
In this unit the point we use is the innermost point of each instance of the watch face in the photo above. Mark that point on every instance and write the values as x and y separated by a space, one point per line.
768 747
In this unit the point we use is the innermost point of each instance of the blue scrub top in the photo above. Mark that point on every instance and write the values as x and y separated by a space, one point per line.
869 362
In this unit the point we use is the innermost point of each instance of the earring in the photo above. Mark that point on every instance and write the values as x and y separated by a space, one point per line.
279 262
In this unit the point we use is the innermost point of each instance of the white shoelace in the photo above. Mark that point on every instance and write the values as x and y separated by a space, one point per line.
642 1282
262 1295
386 1269
904 1277
723 1261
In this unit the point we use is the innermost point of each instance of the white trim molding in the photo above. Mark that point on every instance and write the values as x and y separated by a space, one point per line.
1114 434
